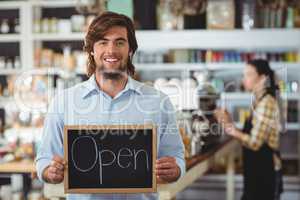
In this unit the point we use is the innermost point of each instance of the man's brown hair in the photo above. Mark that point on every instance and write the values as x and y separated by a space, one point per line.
97 30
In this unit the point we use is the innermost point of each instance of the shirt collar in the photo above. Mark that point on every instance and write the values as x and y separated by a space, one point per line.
134 85
91 86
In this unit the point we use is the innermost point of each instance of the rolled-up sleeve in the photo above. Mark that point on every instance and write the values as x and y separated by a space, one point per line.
171 143
52 139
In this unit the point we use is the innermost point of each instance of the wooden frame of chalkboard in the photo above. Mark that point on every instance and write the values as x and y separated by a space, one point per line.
77 178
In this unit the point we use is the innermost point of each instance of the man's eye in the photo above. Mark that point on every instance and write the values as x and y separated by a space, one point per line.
102 42
120 43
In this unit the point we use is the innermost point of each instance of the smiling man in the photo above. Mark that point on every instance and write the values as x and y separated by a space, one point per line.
111 53
110 97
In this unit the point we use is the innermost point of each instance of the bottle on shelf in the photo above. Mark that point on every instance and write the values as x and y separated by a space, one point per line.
248 14
53 25
16 26
9 63
4 28
2 62
68 59
17 62
290 18
45 24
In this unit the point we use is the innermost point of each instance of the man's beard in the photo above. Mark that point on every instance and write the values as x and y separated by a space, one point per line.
115 74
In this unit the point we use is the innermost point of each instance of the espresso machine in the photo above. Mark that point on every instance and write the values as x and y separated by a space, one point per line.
206 131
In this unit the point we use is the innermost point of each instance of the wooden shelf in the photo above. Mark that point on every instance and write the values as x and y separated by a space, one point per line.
289 126
17 167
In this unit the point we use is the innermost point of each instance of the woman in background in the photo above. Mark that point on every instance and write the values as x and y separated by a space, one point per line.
260 135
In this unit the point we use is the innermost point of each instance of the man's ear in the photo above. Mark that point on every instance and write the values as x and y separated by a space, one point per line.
130 55
92 53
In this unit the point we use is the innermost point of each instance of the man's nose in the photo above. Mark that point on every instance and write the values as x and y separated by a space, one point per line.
111 48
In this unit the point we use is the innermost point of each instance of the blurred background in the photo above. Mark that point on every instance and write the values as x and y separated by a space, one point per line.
192 50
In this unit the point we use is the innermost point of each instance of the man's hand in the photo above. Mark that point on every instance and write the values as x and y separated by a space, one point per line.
167 169
54 173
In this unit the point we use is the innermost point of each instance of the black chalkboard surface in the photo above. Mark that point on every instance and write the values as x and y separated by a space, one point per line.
110 159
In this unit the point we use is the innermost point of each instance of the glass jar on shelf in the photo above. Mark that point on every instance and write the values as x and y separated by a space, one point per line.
194 7
248 14
4 28
220 14
170 14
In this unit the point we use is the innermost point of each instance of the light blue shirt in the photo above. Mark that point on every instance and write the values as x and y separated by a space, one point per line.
86 104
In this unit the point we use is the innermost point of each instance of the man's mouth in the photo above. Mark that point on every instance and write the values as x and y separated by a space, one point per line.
111 60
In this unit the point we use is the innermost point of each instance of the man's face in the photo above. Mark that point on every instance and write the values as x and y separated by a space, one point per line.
111 53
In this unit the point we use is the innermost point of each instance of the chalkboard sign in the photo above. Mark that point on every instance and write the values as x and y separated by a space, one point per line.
110 159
